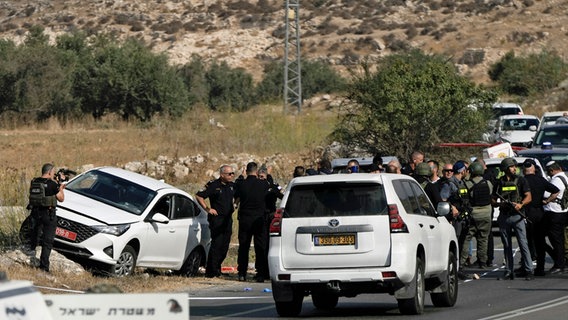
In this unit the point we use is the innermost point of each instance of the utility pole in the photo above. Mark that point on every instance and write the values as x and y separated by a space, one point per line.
292 65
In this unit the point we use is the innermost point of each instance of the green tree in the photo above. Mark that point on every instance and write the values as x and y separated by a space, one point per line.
129 80
229 89
193 75
413 101
35 81
317 77
533 74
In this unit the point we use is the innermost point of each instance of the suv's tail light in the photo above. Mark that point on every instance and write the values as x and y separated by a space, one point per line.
275 224
397 225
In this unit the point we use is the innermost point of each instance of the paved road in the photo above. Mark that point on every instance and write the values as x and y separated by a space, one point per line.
486 298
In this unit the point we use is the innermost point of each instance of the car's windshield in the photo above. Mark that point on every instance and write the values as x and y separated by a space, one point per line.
112 190
336 199
557 136
519 124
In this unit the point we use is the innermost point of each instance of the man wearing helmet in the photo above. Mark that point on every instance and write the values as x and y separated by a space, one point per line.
480 200
511 194
422 174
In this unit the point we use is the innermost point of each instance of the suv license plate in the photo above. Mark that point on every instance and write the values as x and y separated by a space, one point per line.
70 235
334 240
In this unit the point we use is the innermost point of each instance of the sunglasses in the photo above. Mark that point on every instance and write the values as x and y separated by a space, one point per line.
229 173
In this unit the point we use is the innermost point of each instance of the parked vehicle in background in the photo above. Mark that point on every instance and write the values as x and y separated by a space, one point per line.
549 118
494 171
504 109
547 154
555 135
342 235
339 165
499 109
518 130
113 220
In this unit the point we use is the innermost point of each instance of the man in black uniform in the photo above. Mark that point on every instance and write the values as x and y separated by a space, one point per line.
536 229
250 195
220 216
44 194
514 194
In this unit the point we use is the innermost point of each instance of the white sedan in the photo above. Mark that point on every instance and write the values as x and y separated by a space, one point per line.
113 220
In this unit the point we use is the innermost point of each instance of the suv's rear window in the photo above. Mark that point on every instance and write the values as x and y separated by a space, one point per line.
336 199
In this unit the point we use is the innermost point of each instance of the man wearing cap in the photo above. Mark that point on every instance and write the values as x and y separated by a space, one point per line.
536 232
555 216
511 194
454 191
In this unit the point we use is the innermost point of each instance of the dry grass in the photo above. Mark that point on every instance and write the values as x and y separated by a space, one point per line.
263 131
58 282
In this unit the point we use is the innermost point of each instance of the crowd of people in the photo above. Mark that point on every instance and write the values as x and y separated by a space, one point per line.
529 209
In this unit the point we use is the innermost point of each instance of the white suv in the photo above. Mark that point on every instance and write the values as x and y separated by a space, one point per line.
347 234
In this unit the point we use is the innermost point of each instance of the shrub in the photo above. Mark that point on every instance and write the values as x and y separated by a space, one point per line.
528 75
411 94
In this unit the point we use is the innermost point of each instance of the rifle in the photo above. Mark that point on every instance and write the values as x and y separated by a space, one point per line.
509 203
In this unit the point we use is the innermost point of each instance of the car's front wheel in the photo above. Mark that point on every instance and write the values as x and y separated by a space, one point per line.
191 265
449 297
415 305
126 263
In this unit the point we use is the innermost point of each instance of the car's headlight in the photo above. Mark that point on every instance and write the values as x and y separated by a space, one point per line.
116 230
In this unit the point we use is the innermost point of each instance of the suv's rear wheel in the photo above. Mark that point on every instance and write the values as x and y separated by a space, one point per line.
450 296
415 305
290 308
126 263
324 300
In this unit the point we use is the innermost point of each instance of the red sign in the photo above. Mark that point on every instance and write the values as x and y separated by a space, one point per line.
70 235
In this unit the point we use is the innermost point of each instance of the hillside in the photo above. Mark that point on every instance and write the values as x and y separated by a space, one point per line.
245 33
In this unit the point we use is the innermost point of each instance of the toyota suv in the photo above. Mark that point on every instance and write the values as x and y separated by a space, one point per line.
341 235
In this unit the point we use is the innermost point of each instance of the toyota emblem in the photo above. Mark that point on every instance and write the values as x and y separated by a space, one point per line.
334 223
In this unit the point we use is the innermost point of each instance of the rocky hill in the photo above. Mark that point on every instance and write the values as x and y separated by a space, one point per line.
245 33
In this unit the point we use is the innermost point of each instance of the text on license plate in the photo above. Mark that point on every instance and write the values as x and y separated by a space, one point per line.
66 234
334 240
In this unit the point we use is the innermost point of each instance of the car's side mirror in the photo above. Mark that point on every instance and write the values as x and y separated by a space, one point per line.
159 218
443 208
532 128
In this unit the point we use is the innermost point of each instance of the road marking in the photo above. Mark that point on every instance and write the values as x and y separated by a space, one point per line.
228 298
242 313
529 309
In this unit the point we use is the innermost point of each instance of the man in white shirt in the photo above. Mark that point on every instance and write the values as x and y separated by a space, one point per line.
555 216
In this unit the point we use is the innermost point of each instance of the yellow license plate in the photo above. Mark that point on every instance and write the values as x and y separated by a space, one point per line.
334 240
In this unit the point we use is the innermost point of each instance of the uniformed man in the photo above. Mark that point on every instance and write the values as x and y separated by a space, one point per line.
220 216
44 194
455 192
422 175
480 201
511 194
250 194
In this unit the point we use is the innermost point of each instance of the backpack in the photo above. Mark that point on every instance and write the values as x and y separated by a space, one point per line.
480 194
37 194
564 201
